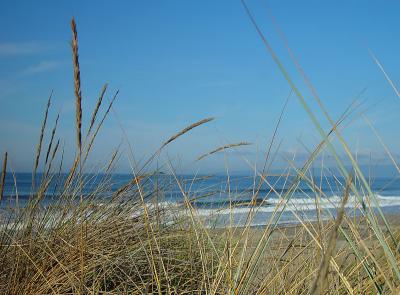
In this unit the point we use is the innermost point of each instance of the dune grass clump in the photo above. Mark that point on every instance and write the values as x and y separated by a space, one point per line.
114 247
126 240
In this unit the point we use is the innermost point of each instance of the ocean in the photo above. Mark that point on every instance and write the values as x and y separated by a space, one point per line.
223 201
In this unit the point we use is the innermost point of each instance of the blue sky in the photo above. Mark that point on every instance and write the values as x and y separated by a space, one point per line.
176 62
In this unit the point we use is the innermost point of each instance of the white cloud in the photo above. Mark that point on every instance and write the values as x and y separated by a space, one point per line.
43 66
20 48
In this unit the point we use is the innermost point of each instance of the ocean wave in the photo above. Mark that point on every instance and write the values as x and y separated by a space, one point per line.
303 204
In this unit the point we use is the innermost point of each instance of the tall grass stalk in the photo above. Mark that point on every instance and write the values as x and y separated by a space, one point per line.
3 175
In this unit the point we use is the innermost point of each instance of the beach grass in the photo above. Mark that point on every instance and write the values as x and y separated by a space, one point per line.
126 241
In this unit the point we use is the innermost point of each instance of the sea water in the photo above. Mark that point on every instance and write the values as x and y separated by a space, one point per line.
228 201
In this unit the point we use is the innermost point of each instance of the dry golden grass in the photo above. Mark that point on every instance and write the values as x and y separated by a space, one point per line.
72 249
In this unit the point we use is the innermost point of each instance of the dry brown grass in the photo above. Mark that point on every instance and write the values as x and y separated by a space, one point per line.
185 130
39 146
77 84
222 148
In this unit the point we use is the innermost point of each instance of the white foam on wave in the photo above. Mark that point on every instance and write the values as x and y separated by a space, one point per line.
302 204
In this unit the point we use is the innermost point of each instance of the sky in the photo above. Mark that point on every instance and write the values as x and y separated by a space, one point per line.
177 62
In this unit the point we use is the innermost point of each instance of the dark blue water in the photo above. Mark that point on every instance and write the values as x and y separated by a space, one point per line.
203 191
